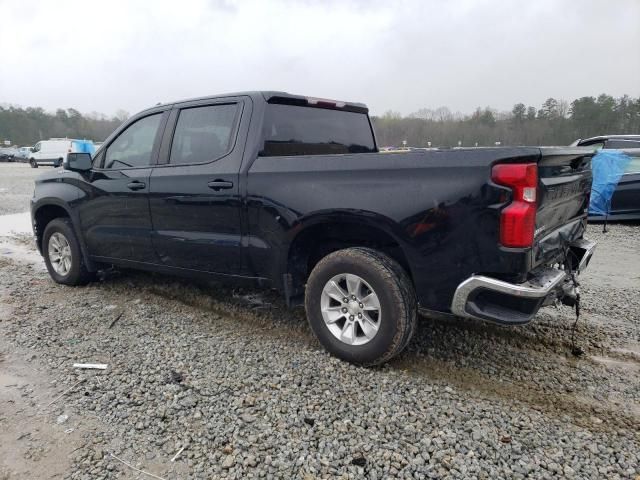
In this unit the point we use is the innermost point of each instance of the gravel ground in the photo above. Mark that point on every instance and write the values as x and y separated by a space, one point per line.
237 385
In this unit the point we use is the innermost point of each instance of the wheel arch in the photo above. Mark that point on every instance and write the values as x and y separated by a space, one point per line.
317 236
50 210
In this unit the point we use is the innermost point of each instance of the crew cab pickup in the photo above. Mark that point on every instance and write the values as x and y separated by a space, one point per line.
291 193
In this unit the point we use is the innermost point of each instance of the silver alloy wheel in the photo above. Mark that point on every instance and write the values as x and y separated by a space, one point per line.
59 253
350 309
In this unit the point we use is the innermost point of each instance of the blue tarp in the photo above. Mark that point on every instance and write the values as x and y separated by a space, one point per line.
607 166
84 146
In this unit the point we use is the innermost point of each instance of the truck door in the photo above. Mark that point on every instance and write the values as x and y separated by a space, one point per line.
114 212
195 196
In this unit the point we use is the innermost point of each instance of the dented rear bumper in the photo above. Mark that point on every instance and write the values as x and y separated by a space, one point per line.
487 298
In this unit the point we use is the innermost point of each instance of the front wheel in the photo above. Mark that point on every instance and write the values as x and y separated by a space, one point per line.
62 254
33 163
361 305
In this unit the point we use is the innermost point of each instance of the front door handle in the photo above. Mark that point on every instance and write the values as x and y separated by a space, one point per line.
136 185
220 184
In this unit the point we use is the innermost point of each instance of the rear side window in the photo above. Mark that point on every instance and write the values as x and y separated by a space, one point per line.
203 134
622 144
296 130
633 166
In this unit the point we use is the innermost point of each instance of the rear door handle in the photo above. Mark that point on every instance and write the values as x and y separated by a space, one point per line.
220 184
136 185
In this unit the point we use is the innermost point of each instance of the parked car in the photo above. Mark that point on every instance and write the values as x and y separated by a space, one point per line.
625 203
290 192
6 154
54 151
609 141
23 153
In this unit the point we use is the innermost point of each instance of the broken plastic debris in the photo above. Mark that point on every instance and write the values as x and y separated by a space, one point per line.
94 366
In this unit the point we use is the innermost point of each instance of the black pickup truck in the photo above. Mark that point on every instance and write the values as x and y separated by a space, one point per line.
290 192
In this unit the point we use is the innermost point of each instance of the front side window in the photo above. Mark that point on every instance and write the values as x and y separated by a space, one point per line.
203 134
36 148
133 147
297 130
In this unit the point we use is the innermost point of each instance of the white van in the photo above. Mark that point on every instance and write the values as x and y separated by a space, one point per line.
54 151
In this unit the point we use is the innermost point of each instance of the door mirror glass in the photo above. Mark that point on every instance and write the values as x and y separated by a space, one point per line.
78 162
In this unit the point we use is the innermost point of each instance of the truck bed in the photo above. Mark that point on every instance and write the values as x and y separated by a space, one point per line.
439 205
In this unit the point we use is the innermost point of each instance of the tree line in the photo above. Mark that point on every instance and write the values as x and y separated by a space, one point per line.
556 122
27 126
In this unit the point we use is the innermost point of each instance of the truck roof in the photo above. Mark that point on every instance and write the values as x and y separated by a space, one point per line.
273 96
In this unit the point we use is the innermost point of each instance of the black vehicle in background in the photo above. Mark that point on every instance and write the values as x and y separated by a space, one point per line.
290 192
7 154
625 203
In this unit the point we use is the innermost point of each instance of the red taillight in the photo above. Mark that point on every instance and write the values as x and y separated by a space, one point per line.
518 219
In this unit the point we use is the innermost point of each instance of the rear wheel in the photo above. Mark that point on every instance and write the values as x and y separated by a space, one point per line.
62 254
33 163
361 305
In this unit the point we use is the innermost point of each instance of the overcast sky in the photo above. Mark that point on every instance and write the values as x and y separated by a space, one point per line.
392 55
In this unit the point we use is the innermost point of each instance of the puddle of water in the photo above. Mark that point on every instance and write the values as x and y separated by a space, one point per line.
20 253
17 223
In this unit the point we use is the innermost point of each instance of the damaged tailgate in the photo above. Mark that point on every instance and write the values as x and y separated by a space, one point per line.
564 192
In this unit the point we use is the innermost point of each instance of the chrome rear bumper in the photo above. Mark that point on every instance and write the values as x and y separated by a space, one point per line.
488 298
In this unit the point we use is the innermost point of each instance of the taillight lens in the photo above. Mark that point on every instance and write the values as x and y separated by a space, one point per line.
518 219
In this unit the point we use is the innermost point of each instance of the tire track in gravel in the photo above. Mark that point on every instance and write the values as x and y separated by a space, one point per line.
583 410
543 343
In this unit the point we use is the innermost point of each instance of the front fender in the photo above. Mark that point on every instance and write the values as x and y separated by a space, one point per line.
59 191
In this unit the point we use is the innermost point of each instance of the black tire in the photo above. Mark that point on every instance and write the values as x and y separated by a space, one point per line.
396 295
33 163
78 273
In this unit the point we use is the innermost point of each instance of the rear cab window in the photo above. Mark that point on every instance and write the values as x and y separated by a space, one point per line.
305 130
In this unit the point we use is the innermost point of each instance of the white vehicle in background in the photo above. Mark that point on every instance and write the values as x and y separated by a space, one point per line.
54 151
23 154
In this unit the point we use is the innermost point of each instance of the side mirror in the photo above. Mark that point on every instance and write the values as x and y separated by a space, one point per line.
77 162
